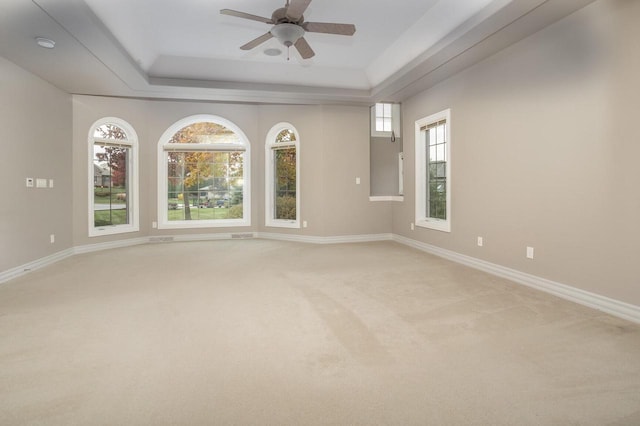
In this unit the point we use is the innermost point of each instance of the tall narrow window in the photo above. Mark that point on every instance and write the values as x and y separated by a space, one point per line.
113 189
203 174
433 172
282 177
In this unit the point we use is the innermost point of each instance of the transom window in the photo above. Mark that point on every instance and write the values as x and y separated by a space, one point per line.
383 117
202 174
385 120
282 179
433 172
113 189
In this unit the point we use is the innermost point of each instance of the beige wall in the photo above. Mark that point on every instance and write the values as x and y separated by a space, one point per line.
35 132
333 151
345 205
384 166
545 152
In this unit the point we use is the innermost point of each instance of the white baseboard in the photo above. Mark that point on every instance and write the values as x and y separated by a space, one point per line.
592 300
88 248
386 198
212 237
33 265
325 240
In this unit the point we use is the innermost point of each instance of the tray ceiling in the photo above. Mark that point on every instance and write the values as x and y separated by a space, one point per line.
188 50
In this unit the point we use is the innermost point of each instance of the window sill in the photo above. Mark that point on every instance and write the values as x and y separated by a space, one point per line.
283 224
435 224
386 198
112 230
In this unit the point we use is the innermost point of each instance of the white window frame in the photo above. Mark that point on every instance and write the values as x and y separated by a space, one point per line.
132 179
164 147
270 145
395 121
422 174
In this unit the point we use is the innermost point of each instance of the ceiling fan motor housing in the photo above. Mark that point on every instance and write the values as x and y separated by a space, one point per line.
279 16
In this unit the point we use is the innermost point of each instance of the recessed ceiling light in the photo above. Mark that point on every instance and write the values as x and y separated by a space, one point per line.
45 42
272 52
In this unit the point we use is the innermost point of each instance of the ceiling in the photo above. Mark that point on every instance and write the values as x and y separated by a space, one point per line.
187 50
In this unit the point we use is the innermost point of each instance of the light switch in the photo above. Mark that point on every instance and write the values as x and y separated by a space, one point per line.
41 183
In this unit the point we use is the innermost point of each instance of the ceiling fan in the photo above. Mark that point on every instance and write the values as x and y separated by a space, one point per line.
289 27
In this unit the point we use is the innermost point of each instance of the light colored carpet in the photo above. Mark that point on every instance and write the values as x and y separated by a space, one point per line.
277 333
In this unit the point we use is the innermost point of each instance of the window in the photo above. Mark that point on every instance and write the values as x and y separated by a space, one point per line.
433 171
282 177
113 177
203 181
385 120
383 117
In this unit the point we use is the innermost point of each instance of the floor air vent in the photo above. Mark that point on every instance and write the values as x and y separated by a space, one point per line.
160 239
241 236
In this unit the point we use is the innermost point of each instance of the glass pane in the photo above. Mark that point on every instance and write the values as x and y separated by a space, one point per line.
205 132
379 110
111 185
437 197
286 135
220 157
433 172
387 110
440 151
387 124
110 131
432 153
205 185
380 124
431 137
440 133
285 183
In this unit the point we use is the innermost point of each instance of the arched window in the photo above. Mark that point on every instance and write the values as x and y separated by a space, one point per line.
282 168
113 177
203 173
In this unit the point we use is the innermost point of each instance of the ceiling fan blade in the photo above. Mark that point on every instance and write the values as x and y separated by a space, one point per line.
304 49
257 41
246 16
329 28
296 8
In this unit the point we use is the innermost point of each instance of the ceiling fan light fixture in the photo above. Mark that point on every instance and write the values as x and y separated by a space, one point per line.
45 42
272 52
287 34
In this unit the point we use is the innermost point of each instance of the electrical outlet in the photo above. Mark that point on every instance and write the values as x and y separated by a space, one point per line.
357 181
304 224
480 241
413 227
52 238
529 252
154 225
